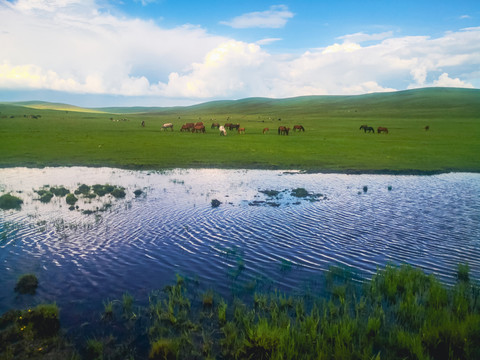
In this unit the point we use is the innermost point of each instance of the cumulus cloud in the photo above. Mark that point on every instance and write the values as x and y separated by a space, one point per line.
275 17
65 46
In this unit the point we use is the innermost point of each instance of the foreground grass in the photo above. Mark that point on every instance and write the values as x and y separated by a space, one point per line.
332 141
401 313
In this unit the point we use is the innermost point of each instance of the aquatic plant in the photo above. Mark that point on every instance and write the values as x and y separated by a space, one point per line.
27 284
138 192
215 203
365 188
82 190
164 349
127 303
59 191
9 202
45 197
94 349
118 193
71 199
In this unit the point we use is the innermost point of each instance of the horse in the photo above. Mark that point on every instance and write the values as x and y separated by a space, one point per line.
222 130
198 123
234 126
187 127
215 125
143 123
167 126
367 128
382 129
266 130
427 128
299 128
282 130
241 130
199 128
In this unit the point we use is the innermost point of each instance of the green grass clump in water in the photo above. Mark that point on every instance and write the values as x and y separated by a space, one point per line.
27 284
10 202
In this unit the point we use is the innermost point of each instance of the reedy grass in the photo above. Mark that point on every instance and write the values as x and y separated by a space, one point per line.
399 313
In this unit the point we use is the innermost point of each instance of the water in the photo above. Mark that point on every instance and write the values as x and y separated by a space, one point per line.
284 242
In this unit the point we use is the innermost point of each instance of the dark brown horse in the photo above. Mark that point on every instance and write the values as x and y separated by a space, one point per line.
367 129
234 126
427 128
215 125
382 129
299 128
282 130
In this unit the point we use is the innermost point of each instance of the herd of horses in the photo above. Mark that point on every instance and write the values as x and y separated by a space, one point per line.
370 129
199 127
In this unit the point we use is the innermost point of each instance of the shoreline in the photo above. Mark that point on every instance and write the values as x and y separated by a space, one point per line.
413 172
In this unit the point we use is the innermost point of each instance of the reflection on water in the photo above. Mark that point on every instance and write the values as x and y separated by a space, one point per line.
284 241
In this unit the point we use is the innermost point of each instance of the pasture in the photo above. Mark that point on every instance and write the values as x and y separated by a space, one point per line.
332 141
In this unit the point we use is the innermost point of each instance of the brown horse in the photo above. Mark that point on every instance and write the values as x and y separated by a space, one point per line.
215 126
234 126
199 128
241 130
143 123
266 130
427 128
382 129
282 130
187 127
299 128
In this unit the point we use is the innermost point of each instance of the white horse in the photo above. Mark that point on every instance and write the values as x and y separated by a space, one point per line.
167 126
222 130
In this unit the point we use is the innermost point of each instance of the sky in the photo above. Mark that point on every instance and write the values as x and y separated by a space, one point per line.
171 52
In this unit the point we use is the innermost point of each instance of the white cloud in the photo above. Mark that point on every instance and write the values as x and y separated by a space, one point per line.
362 37
445 81
267 41
82 49
276 17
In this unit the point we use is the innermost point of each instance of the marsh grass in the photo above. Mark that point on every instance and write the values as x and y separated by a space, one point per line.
400 313
10 202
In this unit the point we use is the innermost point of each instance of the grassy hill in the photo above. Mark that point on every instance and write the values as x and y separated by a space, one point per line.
64 135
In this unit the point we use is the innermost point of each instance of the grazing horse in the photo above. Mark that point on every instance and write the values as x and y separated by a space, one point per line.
241 130
199 128
187 127
282 130
223 132
167 126
266 130
227 125
382 129
367 128
199 123
215 126
299 128
234 126
427 128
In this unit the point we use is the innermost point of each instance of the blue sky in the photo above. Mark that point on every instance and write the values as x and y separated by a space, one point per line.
165 52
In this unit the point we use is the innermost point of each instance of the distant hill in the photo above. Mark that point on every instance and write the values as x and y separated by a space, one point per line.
400 103
43 105
429 99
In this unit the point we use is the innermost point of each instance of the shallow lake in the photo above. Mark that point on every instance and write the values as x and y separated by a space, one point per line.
264 234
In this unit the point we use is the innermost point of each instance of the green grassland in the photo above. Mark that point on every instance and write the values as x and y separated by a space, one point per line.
66 136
